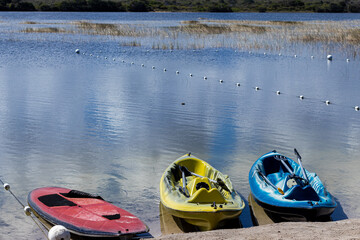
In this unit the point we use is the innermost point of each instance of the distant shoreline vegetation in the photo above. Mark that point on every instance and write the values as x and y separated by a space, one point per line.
329 6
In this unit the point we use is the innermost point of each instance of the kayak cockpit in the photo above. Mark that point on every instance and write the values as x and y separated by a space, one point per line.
285 176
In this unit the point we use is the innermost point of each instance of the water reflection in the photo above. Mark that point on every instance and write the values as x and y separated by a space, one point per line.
112 128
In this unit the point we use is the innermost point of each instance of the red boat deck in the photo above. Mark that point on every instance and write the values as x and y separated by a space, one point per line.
83 214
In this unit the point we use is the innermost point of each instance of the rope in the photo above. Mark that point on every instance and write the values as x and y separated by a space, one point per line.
7 188
257 88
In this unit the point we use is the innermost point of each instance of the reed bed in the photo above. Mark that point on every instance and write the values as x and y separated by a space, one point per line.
274 36
29 22
45 30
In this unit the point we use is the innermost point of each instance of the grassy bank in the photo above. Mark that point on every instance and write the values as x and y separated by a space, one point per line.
335 6
271 36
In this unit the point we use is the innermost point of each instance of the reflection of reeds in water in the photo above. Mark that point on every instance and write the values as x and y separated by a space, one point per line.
131 44
29 22
44 30
284 36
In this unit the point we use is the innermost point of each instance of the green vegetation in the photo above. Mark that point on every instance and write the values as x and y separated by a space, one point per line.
336 6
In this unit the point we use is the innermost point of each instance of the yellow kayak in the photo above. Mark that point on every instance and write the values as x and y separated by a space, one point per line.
193 190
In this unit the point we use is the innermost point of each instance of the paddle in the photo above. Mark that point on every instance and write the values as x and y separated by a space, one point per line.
184 189
302 169
270 183
218 181
282 158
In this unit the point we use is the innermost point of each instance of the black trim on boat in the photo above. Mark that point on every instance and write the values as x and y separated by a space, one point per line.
309 213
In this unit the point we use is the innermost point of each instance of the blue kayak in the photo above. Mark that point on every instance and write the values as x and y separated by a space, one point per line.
281 185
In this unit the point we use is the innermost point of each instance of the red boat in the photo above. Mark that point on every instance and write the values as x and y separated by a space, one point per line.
83 214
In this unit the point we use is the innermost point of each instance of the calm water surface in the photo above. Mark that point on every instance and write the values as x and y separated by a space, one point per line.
111 128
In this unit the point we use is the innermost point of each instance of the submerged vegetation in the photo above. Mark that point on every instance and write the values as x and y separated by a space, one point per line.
276 36
182 5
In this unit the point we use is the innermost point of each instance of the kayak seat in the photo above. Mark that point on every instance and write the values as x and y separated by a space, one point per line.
302 193
80 194
201 191
55 200
204 196
278 178
271 165
198 183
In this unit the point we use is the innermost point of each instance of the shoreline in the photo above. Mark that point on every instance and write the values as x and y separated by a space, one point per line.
342 229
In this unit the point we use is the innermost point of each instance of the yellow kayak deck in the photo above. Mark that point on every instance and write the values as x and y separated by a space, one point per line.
201 195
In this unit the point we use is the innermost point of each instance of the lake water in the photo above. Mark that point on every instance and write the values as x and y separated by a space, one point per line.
97 124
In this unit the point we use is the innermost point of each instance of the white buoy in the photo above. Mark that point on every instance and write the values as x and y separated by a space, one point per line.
123 61
153 67
295 56
27 210
221 81
114 59
77 51
357 108
6 186
301 97
327 102
329 57
58 232
279 54
132 63
278 92
257 88
142 65
312 57
347 60
164 69
205 78
238 84
105 57
177 72
264 53
90 54
191 75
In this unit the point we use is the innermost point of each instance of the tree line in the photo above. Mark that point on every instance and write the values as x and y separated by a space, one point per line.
185 5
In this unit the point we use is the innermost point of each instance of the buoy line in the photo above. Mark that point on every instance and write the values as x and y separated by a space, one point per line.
238 84
27 209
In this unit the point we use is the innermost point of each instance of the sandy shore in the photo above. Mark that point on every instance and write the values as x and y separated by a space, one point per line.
344 229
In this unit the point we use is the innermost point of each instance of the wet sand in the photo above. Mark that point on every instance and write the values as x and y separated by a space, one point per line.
344 229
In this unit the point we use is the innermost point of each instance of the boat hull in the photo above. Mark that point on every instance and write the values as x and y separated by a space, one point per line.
207 208
310 214
205 221
310 201
83 214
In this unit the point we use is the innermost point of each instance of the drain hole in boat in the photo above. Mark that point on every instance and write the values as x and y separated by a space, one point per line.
202 185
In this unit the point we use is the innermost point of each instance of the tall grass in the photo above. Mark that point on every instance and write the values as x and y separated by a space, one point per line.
275 36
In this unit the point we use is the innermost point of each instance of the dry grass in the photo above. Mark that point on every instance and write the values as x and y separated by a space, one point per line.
276 36
195 27
130 44
29 22
44 30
